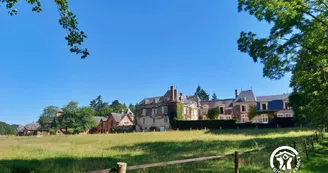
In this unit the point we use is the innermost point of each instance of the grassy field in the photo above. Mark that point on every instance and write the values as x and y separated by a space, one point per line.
91 152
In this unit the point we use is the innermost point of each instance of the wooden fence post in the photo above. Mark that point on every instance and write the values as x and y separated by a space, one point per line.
236 162
305 150
190 129
121 167
312 143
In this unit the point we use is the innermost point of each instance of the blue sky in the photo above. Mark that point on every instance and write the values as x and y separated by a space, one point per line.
138 49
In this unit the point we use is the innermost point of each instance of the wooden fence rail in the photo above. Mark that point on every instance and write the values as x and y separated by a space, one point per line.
122 167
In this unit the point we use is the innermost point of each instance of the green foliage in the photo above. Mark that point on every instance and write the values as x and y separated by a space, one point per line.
213 113
78 118
252 112
202 94
101 108
214 97
67 20
180 107
117 106
297 43
52 131
48 116
70 131
6 129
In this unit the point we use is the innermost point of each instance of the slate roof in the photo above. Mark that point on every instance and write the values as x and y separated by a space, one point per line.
98 119
247 95
196 99
216 103
20 128
32 126
272 97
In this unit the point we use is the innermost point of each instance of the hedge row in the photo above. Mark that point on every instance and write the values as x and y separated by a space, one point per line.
231 124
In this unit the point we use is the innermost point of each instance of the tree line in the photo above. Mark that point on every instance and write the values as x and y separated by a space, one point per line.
74 119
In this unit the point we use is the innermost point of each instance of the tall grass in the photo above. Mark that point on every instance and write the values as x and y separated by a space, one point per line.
91 152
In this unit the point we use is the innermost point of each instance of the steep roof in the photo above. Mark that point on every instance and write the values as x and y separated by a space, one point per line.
244 96
158 99
196 99
32 126
272 97
216 103
98 119
20 128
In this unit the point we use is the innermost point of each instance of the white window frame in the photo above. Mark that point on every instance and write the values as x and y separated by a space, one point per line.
266 106
280 115
184 110
165 109
244 118
288 115
241 108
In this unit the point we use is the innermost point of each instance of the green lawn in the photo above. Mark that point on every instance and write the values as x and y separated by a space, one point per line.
91 152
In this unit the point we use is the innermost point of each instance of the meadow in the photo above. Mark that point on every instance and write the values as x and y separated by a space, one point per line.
81 153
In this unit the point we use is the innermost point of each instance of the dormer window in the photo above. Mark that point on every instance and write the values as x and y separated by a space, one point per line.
286 106
264 106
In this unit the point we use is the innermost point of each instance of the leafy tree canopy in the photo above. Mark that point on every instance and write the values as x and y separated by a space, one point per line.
101 108
202 94
297 43
67 20
214 97
47 116
6 129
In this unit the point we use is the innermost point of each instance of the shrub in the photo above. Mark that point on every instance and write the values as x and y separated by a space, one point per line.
70 131
213 113
78 130
52 132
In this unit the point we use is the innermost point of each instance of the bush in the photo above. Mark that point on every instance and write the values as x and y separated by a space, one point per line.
210 124
231 124
213 113
70 131
52 132
78 130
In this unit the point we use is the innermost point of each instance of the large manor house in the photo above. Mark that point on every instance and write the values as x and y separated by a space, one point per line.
156 112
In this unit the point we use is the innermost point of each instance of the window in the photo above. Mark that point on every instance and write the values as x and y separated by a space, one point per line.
155 111
164 109
264 106
165 119
280 115
154 120
144 112
221 110
287 105
289 115
185 110
228 117
143 120
265 120
221 118
244 118
243 108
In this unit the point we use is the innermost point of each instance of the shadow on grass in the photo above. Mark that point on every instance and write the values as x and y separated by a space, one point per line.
150 152
318 161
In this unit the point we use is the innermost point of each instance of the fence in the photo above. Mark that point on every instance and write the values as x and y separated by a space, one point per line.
304 146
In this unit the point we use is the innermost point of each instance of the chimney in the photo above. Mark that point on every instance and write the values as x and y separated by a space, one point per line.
176 96
181 97
172 93
236 93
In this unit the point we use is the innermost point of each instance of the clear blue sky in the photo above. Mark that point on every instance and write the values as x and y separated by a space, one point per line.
138 49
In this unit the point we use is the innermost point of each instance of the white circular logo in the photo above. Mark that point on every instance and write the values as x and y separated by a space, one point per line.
285 159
